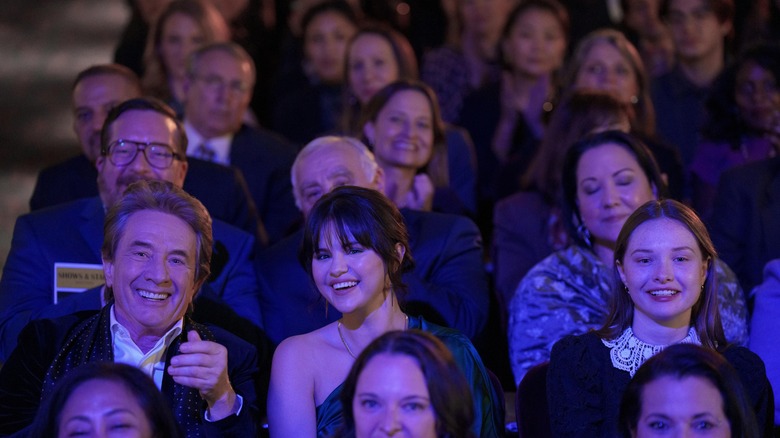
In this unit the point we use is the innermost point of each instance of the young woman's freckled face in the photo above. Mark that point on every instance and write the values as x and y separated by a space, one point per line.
664 271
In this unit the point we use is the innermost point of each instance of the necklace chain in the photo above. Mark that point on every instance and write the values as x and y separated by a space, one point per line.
344 341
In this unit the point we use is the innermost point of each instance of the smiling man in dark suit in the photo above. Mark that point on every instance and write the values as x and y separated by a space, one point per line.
447 286
221 77
156 251
56 251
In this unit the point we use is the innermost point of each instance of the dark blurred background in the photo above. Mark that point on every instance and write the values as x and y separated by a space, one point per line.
43 44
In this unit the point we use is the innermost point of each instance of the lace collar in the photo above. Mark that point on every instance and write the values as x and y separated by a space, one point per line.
628 352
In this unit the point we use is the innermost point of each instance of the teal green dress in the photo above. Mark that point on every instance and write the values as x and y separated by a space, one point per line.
488 413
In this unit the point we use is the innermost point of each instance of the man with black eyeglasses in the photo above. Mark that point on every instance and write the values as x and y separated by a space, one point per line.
54 266
95 91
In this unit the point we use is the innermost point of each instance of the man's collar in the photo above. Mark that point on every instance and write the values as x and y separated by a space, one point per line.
169 336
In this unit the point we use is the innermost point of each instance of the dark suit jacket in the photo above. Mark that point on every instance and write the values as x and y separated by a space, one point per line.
222 190
22 377
265 160
520 240
447 285
73 232
745 224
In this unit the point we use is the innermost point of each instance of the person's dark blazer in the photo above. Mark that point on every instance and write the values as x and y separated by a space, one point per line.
447 286
73 233
222 190
520 240
22 376
265 160
745 221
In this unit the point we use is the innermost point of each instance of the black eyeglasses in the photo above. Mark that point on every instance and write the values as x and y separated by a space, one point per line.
122 152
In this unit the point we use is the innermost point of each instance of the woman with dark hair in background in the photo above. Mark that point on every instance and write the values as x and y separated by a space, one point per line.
407 381
355 249
606 177
528 225
312 106
743 122
454 70
505 118
687 388
101 399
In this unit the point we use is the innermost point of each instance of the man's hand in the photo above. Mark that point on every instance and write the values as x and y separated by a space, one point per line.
203 365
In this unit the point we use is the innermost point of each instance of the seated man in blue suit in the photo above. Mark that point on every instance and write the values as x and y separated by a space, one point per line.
156 251
447 286
218 91
142 140
96 90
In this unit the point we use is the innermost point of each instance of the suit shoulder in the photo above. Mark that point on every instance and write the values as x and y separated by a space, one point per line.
224 231
212 171
283 250
57 213
430 219
751 173
268 141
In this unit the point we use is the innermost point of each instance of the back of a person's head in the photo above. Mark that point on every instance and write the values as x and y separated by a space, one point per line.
578 114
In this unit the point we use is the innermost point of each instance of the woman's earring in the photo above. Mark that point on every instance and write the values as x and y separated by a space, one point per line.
584 233
634 100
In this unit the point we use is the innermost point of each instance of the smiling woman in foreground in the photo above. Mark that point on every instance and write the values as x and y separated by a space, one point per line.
355 249
663 294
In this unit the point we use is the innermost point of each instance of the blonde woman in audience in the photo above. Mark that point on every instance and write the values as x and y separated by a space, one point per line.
605 60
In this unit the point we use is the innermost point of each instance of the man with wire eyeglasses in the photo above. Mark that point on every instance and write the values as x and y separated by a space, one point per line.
55 253
218 90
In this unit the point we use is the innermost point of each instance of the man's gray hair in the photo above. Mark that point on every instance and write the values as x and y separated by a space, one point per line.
366 157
